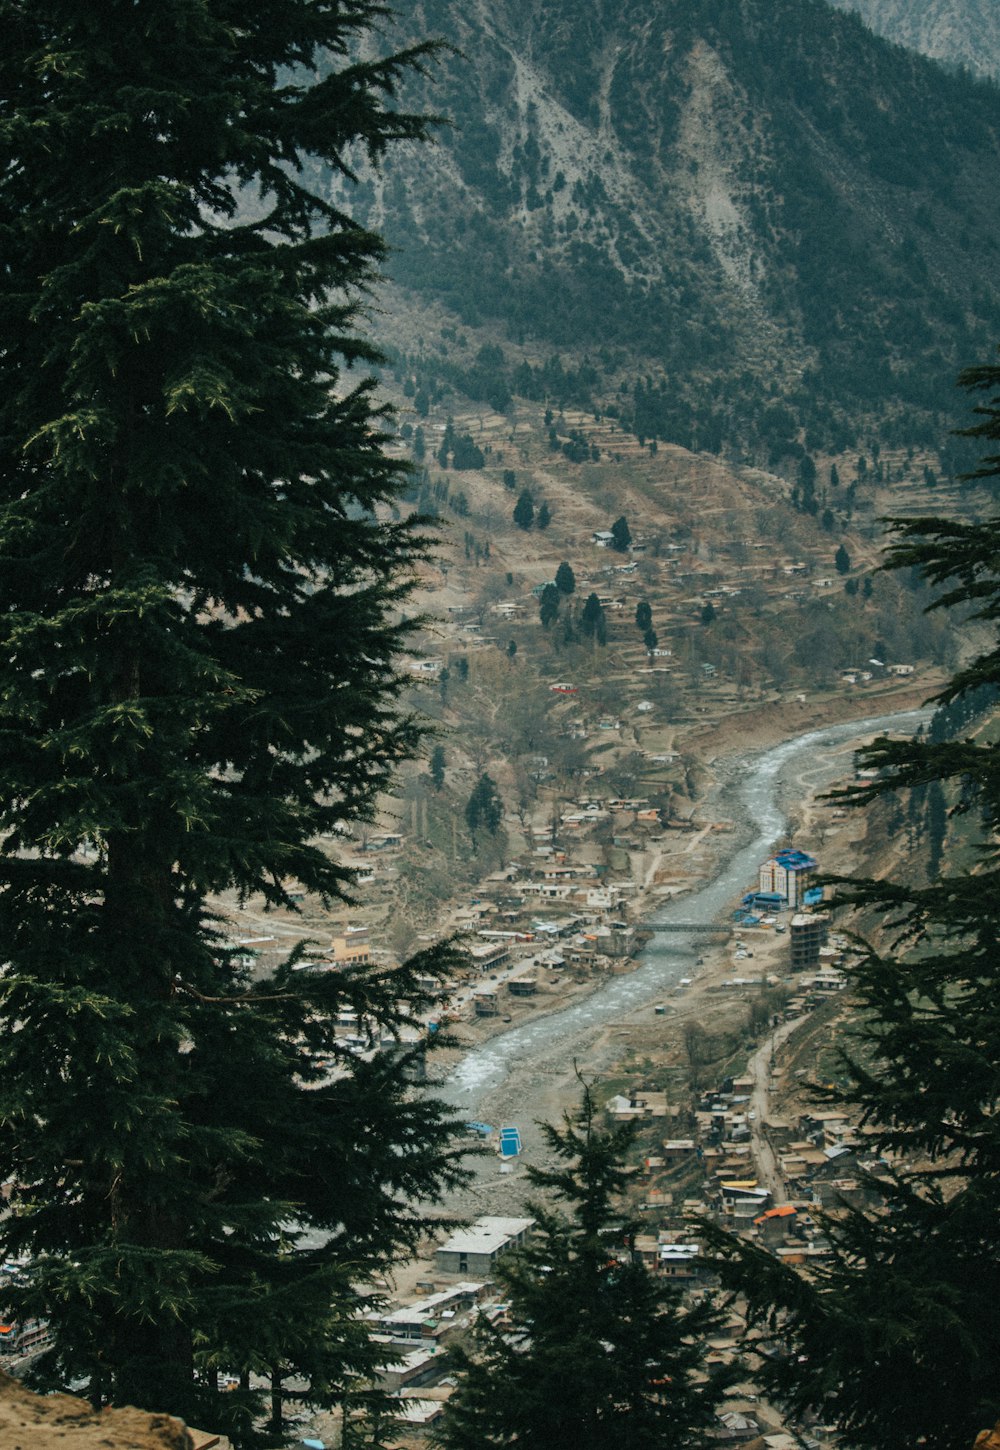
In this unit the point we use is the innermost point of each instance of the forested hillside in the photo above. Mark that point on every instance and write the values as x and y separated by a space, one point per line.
958 32
736 220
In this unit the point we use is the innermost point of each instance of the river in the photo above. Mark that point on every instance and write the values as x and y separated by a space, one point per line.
515 1078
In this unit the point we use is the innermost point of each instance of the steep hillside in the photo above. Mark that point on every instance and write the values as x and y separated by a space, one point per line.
734 220
564 666
959 32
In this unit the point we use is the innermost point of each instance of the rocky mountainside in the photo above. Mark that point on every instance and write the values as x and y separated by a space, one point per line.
959 32
739 221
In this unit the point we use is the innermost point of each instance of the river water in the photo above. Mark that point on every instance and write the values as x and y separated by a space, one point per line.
509 1078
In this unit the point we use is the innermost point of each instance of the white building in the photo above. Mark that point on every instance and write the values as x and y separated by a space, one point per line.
475 1250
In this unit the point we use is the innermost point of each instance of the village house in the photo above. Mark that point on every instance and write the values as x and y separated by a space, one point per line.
775 1224
548 890
679 1261
475 1250
485 956
353 949
675 1149
414 1367
639 1104
427 1320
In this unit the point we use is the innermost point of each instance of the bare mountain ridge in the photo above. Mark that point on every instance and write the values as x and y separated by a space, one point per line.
757 205
958 32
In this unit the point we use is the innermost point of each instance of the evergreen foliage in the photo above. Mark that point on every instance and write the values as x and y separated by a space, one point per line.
871 309
199 583
484 810
604 1355
592 620
467 453
524 510
621 535
565 579
548 605
898 1337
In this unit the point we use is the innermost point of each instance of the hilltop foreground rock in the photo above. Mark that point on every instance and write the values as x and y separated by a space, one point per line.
38 1422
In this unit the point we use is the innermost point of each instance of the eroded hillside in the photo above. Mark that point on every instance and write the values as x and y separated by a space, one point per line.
758 216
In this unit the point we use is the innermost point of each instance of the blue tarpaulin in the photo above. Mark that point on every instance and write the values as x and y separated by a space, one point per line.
510 1142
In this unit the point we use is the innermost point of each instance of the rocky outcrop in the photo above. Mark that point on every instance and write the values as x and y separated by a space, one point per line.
61 1422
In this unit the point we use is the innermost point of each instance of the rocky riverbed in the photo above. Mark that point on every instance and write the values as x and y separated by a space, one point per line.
529 1073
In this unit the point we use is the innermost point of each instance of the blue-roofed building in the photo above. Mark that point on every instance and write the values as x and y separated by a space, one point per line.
789 874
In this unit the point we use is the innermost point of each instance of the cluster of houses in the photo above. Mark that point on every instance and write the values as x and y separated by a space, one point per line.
822 1155
461 1286
874 670
696 1162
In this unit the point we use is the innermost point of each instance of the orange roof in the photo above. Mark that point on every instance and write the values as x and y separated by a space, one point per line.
784 1211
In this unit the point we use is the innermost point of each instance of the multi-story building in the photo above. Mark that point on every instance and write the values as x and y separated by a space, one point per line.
806 937
789 874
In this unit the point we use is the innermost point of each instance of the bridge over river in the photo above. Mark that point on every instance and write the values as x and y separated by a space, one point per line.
511 1078
691 928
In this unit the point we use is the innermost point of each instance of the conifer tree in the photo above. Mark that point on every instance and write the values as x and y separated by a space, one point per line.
592 618
565 580
484 809
603 1354
621 535
897 1339
200 581
548 605
524 510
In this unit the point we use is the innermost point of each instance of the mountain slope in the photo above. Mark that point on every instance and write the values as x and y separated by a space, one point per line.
958 32
780 219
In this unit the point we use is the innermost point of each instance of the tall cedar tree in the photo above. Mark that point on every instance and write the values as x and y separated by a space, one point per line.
898 1338
602 1354
198 588
592 617
524 510
548 605
484 809
565 580
621 535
